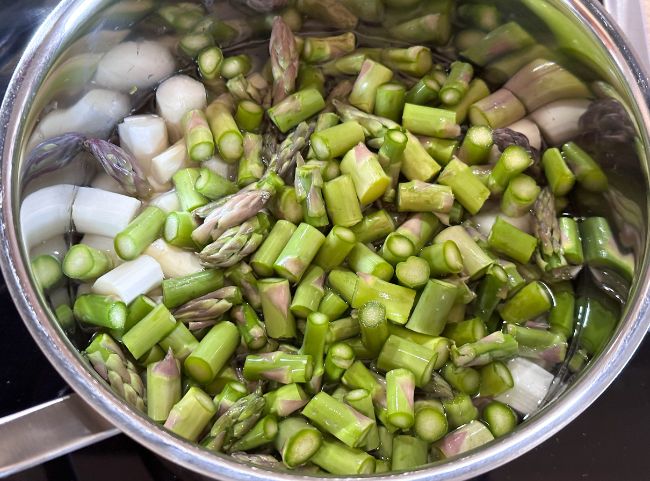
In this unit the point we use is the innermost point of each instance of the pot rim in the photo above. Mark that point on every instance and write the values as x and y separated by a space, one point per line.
29 74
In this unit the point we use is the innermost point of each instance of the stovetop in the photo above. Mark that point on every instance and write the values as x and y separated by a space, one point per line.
608 442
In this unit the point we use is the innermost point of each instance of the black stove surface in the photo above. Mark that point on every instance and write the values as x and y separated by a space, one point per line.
608 442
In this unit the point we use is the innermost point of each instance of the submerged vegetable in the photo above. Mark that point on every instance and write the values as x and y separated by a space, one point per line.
362 239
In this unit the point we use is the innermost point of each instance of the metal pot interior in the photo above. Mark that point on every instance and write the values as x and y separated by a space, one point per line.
58 68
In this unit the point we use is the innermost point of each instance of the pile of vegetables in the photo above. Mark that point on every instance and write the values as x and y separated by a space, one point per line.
340 256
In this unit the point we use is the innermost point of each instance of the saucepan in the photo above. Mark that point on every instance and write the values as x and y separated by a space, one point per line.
61 59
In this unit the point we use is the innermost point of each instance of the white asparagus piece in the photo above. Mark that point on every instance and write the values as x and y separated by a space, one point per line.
175 97
174 261
560 121
167 201
145 136
465 438
46 213
530 130
56 246
100 212
78 172
85 288
95 115
59 296
131 279
531 384
167 163
217 165
104 244
134 65
104 181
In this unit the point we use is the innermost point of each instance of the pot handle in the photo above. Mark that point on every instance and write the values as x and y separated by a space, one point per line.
49 430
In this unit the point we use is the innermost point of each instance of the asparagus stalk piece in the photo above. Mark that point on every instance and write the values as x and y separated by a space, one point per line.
335 249
433 307
336 140
181 342
496 346
408 452
369 179
398 352
506 239
463 379
342 421
373 227
495 379
464 439
418 196
400 389
229 395
198 137
543 81
309 184
309 293
363 259
519 196
264 432
502 40
371 76
343 282
468 190
443 258
279 367
338 458
430 121
475 260
299 252
209 61
389 101
285 400
276 299
587 172
242 276
538 343
213 352
81 262
340 357
561 317
228 139
98 310
296 108
332 305
413 272
250 327
460 410
251 167
297 441
467 331
398 300
560 178
499 418
177 230
496 110
263 259
190 416
530 302
430 422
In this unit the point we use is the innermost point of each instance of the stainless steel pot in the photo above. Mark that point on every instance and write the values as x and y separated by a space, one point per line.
70 423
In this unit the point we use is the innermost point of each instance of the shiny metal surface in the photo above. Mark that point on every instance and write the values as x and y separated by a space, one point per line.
47 431
15 118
